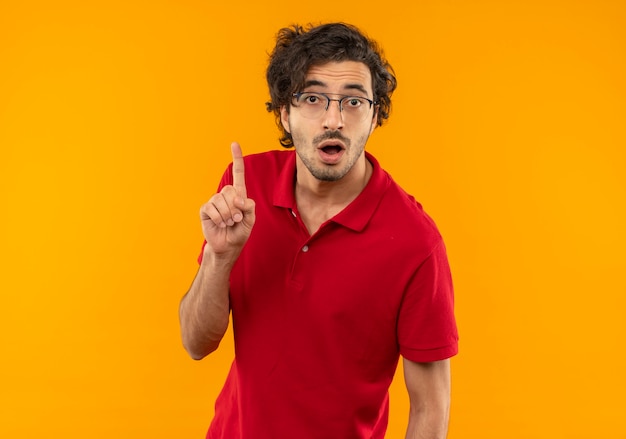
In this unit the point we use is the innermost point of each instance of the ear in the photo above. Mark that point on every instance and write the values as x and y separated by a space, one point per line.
374 120
284 118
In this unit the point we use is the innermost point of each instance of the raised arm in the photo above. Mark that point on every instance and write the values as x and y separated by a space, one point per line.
428 385
227 220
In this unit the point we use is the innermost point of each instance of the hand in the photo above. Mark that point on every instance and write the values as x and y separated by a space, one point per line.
228 217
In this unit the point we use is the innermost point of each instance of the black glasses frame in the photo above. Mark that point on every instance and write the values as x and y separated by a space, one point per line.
329 100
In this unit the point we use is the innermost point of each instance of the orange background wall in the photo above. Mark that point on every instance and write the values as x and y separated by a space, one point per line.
115 124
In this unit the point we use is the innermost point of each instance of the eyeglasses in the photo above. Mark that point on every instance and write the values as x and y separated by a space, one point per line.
312 105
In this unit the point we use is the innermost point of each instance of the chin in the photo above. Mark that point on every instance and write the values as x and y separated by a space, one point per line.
328 174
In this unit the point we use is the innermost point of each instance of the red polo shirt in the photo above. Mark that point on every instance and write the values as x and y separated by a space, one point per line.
320 321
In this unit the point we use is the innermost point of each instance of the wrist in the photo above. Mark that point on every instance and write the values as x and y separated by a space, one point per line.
218 261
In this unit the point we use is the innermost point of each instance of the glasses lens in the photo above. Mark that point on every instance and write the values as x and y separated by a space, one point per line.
313 105
355 107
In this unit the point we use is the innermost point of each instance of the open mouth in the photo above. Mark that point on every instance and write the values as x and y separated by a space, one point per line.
332 149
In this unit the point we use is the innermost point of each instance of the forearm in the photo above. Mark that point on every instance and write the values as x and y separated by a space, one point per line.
429 394
205 309
428 423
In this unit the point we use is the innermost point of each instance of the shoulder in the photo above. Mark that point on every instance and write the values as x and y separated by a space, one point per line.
269 174
407 217
263 162
411 209
260 168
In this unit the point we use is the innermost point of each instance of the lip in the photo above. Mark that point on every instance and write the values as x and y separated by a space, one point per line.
334 142
331 159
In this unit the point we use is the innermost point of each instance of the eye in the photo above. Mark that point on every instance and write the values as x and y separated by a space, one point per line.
353 102
311 98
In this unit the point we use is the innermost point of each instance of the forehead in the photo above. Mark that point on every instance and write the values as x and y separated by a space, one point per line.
340 76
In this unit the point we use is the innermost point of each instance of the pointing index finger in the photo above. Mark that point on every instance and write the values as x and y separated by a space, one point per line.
239 177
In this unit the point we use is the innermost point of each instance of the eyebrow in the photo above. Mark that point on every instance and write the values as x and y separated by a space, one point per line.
349 86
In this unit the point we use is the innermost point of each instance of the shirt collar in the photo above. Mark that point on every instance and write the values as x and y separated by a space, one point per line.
357 214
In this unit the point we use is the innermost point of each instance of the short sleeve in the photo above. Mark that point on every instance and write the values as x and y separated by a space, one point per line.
427 328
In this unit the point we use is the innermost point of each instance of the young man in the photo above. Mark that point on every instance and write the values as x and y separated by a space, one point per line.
331 271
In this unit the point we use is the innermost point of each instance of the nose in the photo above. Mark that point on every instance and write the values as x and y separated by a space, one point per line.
333 117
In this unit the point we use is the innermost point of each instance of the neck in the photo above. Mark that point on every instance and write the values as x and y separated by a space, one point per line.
318 201
340 191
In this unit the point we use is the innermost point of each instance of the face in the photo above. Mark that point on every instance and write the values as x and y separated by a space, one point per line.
330 145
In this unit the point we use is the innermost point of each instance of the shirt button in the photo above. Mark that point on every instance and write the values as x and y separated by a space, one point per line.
305 248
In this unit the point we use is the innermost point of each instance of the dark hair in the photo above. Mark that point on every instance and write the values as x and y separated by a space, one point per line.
298 49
